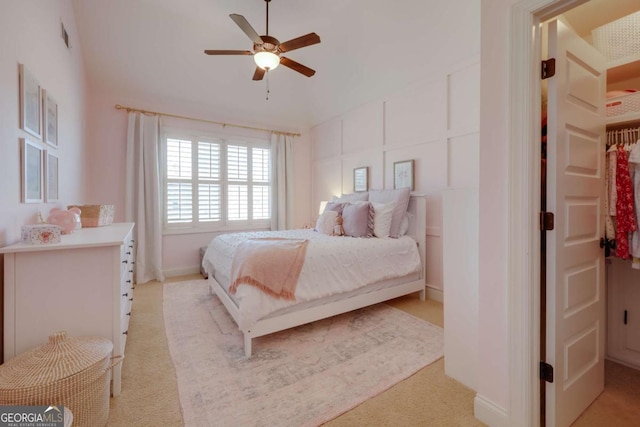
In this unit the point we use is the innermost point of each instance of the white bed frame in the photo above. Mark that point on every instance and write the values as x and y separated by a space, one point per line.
417 230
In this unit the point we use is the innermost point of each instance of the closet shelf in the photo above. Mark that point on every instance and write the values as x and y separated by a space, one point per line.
623 119
623 69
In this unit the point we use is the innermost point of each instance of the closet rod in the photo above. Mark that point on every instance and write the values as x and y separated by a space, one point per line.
223 124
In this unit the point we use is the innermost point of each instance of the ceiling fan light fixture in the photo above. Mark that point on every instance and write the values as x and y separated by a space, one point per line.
266 60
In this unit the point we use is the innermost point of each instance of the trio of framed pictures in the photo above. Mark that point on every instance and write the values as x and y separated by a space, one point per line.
403 176
39 159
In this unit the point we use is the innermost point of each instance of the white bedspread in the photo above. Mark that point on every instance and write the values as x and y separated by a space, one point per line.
332 265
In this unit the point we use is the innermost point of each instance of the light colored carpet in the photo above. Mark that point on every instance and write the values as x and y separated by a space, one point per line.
299 377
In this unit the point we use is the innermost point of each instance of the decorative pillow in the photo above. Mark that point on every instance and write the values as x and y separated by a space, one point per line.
382 214
404 225
353 197
326 222
334 206
400 198
357 219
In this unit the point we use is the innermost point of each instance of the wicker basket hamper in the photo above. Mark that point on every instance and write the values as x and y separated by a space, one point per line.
95 215
70 371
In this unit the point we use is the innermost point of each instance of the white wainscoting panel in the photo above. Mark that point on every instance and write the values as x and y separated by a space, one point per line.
464 99
327 139
370 158
461 282
362 128
327 180
430 166
464 161
417 114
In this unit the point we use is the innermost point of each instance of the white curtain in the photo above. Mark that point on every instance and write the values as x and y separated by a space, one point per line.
282 182
143 195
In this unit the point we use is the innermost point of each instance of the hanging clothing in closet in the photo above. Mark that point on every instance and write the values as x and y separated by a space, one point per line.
622 201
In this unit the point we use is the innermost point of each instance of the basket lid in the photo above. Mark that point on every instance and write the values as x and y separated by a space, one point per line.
60 358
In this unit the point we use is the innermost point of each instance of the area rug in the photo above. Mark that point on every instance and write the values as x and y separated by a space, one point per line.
303 376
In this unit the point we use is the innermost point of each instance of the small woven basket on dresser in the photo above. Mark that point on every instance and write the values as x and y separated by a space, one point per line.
95 215
74 372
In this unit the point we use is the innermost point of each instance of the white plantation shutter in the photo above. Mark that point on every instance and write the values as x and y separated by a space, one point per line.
211 181
261 173
209 187
179 186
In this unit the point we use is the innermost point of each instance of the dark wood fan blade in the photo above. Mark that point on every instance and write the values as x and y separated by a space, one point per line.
258 74
228 52
302 41
296 66
246 27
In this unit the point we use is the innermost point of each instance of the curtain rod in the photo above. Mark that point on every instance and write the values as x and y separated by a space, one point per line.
130 109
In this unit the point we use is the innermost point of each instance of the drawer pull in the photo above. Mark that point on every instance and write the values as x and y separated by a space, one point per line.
129 314
128 281
131 271
125 261
125 333
128 253
131 299
131 246
125 294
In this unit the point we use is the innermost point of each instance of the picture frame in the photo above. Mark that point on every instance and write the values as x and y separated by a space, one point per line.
361 179
403 174
31 171
50 115
51 167
30 103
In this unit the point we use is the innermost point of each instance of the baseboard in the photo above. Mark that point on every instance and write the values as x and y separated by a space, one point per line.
489 413
435 294
181 271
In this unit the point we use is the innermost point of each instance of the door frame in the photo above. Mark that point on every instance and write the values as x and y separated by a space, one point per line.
524 206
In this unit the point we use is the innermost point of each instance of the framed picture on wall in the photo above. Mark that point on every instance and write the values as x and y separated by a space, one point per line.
30 103
403 174
361 179
50 111
51 177
31 172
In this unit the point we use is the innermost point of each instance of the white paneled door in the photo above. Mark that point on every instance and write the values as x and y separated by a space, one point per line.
575 261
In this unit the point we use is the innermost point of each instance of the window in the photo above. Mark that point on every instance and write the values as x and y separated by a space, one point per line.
215 183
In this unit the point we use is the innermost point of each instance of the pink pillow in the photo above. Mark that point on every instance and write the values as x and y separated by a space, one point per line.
357 219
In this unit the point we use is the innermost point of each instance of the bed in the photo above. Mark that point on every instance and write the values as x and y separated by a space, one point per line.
319 293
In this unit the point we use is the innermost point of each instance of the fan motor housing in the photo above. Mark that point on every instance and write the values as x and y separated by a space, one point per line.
269 44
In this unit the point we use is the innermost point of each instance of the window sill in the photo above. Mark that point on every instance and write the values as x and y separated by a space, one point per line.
229 229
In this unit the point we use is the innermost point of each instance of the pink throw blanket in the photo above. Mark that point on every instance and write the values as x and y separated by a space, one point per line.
272 265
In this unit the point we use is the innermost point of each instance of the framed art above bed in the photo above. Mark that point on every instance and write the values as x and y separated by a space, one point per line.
361 179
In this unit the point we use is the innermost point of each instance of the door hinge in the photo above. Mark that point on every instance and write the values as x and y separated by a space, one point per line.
546 372
548 68
546 221
625 317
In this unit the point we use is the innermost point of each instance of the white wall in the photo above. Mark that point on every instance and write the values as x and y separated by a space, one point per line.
30 34
434 121
107 130
493 353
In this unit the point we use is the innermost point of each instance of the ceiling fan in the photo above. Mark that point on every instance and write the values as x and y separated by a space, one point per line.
267 49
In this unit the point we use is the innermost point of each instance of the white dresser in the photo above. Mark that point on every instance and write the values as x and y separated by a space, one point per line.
83 285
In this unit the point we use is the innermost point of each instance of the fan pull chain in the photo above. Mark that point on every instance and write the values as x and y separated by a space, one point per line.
267 84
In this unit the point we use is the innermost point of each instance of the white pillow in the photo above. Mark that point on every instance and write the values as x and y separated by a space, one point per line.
326 222
404 225
383 212
400 198
353 197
